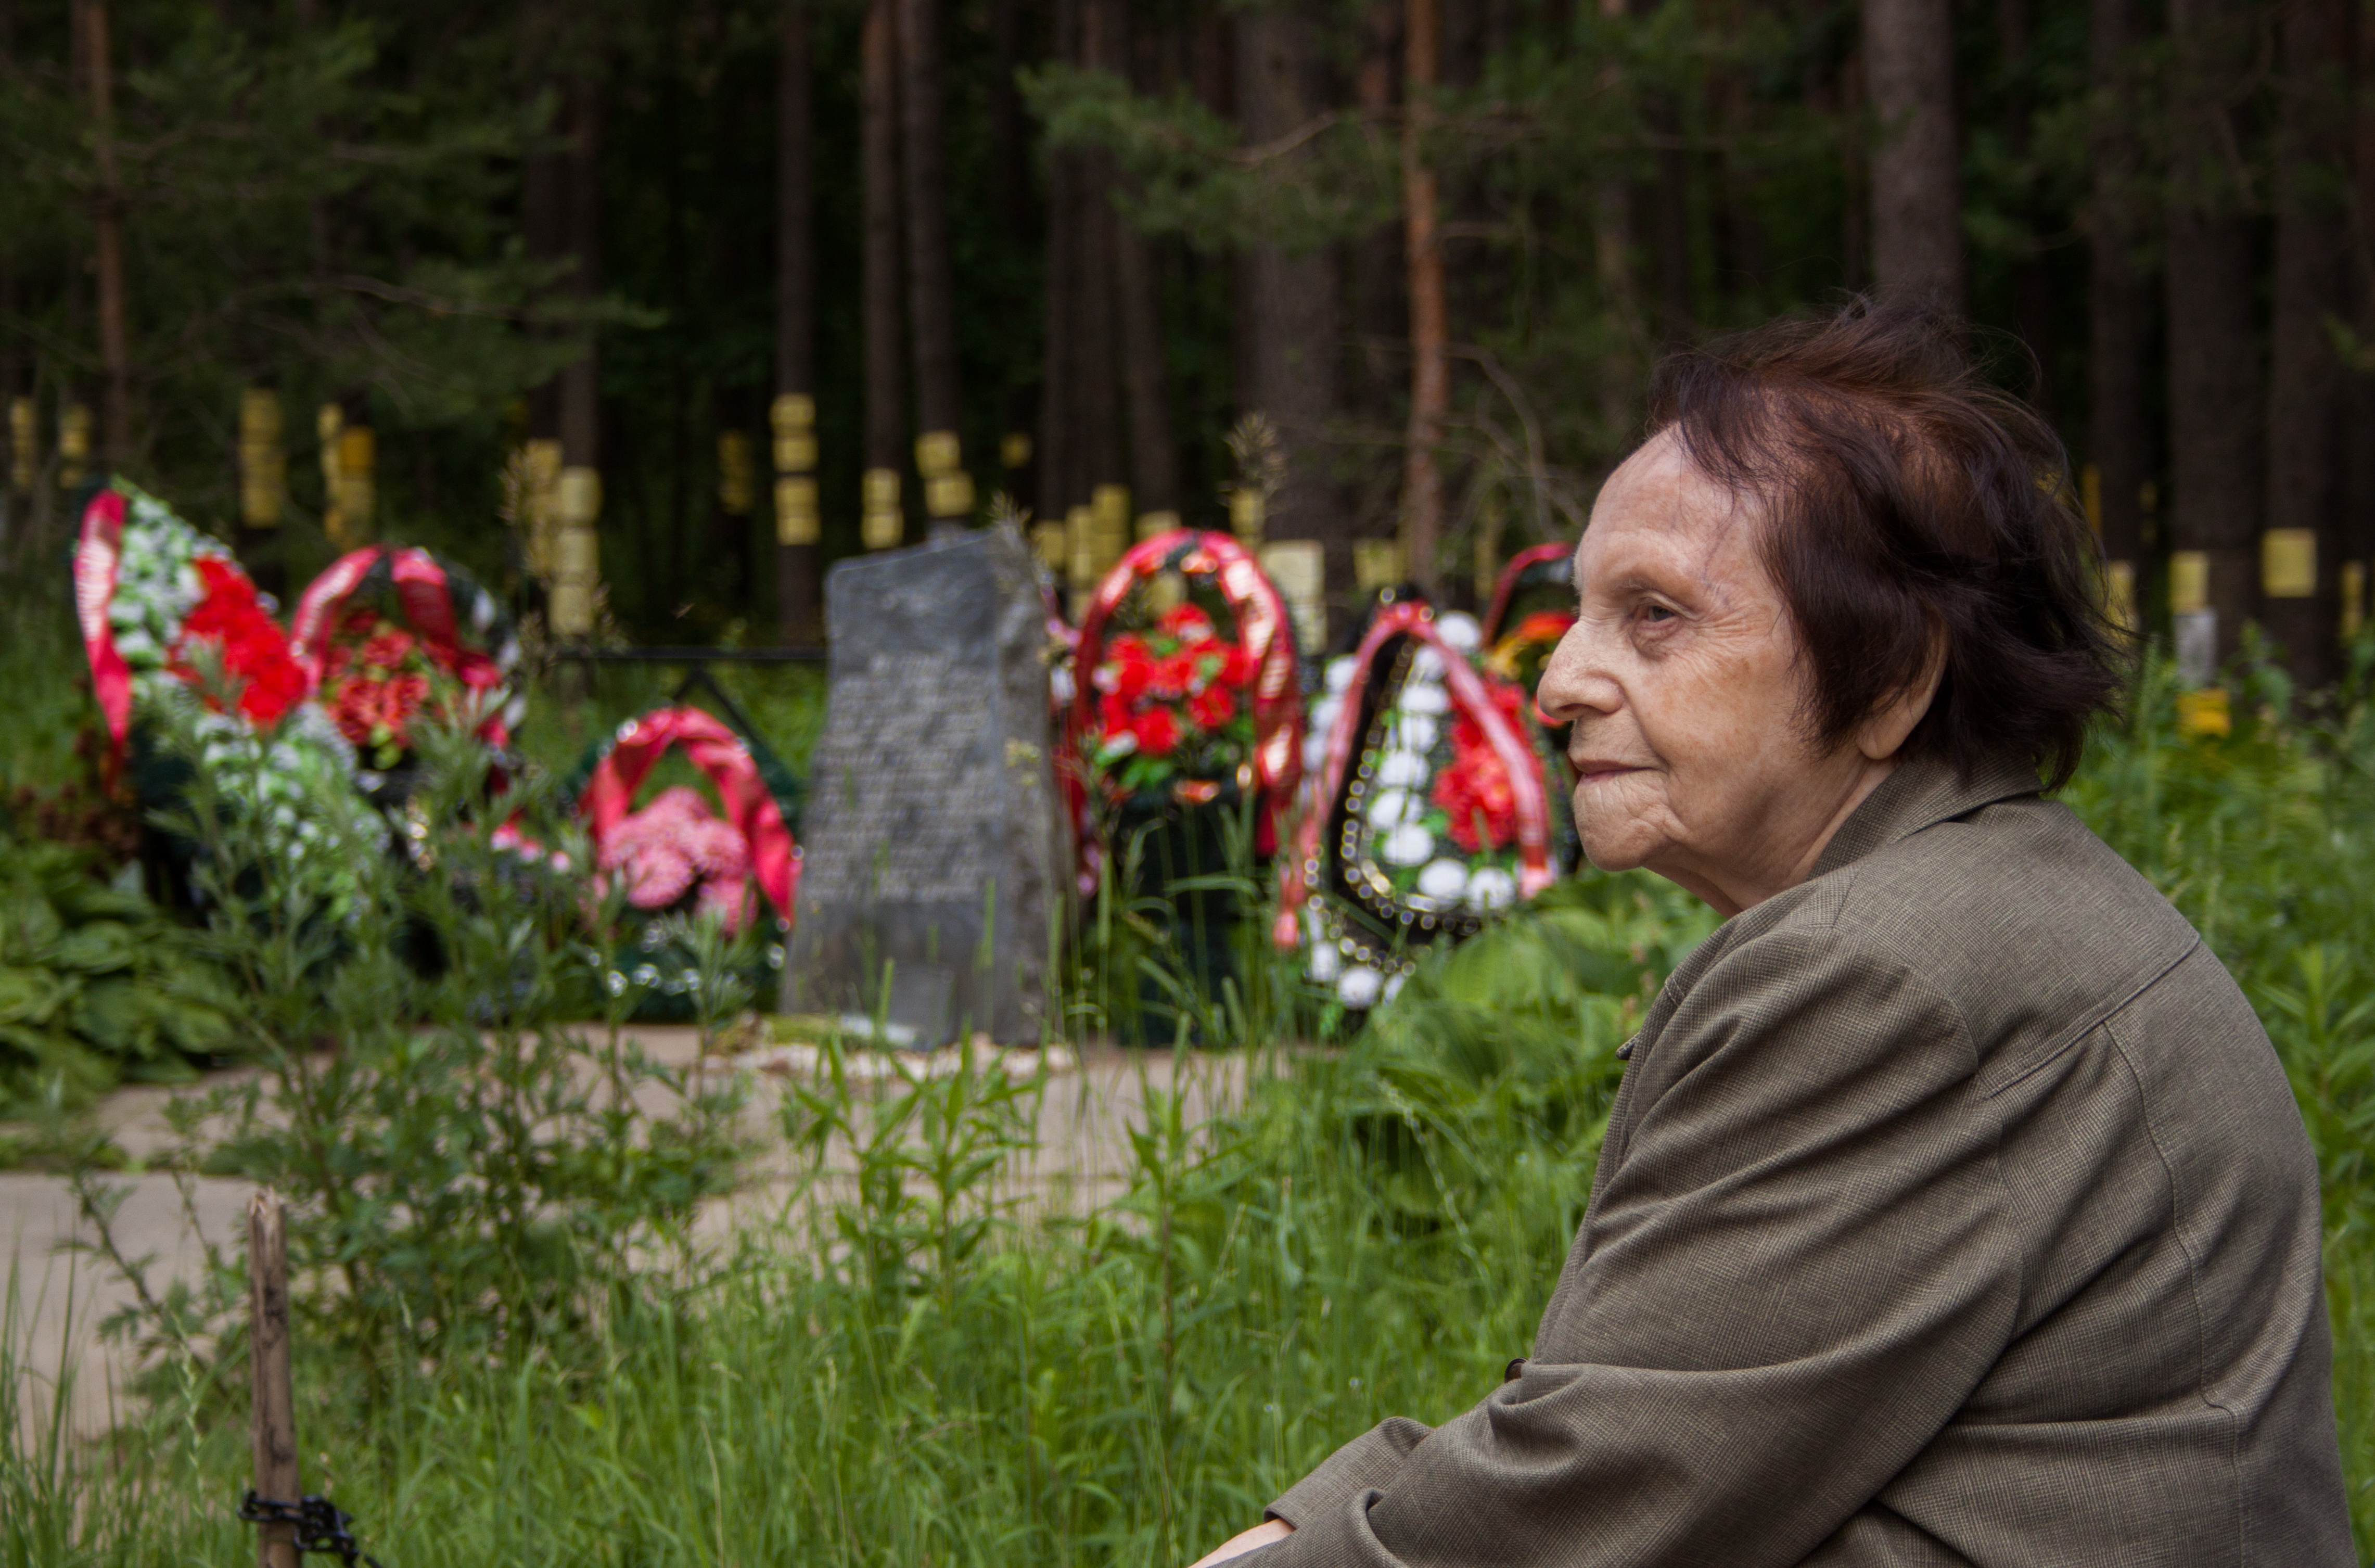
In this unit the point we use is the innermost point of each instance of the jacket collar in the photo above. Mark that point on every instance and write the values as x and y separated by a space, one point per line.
1920 794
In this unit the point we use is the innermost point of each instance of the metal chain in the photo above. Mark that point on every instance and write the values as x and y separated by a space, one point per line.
321 1524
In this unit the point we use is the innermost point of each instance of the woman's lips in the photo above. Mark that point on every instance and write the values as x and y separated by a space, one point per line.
1592 769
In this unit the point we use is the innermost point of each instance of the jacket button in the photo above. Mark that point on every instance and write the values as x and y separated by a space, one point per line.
1517 1365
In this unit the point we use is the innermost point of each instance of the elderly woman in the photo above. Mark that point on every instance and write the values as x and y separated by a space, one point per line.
1954 1209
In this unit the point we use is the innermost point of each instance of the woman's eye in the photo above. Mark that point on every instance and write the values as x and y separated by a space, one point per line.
1657 612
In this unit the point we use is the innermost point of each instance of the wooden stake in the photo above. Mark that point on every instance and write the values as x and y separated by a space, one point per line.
273 1411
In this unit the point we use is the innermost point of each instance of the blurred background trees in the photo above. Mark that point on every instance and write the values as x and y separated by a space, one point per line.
738 287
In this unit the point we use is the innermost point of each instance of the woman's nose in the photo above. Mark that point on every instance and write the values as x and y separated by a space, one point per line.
1569 687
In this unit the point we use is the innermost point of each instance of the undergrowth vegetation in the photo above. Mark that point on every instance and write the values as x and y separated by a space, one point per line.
516 1348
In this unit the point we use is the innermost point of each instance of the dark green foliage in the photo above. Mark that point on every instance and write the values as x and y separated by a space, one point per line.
95 984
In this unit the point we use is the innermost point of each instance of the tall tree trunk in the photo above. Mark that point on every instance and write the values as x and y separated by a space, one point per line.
2032 287
579 494
1154 461
1917 205
115 336
1855 174
1010 206
1058 395
581 381
798 607
2359 510
1377 264
1009 176
2306 377
1154 456
2120 304
1430 363
1287 333
2214 383
1614 243
886 396
931 288
1096 444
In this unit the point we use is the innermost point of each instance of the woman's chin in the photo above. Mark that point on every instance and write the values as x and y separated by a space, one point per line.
1619 845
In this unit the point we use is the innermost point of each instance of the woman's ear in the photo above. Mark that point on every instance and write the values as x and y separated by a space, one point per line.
1886 728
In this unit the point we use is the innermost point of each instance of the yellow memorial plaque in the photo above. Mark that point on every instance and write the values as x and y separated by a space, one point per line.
1377 563
797 520
2289 564
937 452
1247 517
2188 582
1298 568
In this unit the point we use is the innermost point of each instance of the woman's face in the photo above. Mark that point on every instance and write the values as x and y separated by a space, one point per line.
1683 680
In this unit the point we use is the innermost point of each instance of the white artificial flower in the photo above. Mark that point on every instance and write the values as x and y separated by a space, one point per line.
1359 986
1409 844
1393 808
1416 732
1458 629
1403 768
1325 963
1340 674
1418 697
1394 987
1427 667
1492 888
1445 880
1322 717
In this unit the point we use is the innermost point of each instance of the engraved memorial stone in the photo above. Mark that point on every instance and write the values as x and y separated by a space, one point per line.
932 843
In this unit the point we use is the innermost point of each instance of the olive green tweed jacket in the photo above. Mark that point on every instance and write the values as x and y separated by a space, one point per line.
1954 1210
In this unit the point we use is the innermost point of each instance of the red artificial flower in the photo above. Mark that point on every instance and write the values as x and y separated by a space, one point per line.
1545 626
1157 730
1213 706
1128 668
253 650
1476 793
1175 676
1187 622
1112 714
387 647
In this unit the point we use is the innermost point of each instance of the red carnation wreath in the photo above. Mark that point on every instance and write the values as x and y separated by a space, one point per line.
1172 706
388 636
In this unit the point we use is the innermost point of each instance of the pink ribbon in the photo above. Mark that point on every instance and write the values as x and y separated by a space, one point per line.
99 558
1469 696
720 754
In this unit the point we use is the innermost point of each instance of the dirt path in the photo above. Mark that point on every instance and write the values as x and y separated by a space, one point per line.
61 1296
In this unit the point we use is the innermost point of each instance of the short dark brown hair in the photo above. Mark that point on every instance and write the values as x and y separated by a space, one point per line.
1908 499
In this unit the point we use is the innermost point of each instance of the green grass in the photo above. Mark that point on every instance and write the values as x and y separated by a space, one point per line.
913 1374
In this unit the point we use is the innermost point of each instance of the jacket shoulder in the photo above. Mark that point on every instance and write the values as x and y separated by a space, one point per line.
2017 914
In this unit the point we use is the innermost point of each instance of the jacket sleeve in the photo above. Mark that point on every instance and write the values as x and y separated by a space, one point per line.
1798 1269
1368 1461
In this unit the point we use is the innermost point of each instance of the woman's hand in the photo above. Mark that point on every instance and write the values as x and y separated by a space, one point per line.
1244 1541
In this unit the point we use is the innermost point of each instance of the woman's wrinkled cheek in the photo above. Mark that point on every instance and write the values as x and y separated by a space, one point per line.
1622 822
